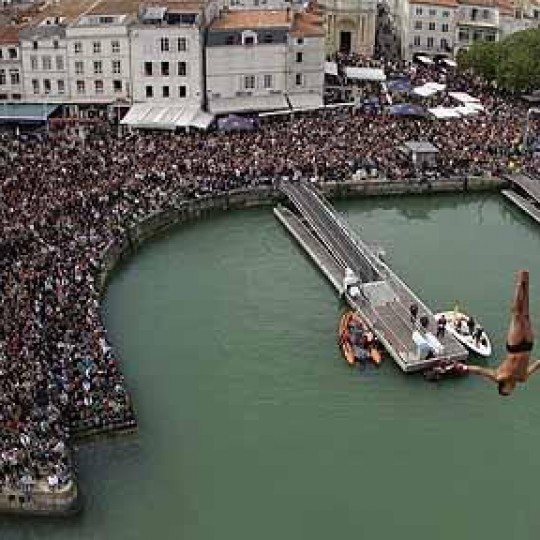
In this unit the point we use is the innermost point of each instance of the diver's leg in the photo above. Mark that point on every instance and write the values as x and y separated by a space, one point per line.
520 326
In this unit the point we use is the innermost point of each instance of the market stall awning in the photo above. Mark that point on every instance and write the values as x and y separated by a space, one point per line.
445 112
202 120
248 103
305 101
429 89
463 97
330 68
424 59
407 109
450 62
365 74
26 112
399 85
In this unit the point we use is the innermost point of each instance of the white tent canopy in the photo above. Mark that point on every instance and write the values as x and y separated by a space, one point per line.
449 62
365 74
445 112
428 89
470 108
424 59
330 68
160 116
463 97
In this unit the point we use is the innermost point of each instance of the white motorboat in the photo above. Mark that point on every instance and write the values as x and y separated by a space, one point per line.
457 324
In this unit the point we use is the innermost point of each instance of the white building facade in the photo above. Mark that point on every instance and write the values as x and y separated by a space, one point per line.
428 27
167 54
476 20
267 60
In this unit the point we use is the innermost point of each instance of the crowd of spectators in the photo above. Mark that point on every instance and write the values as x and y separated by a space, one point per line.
64 200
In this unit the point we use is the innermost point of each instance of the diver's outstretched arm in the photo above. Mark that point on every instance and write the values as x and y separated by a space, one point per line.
488 373
535 366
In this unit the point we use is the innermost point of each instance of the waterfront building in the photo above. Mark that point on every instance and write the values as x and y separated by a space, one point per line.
427 27
11 81
264 60
349 25
99 69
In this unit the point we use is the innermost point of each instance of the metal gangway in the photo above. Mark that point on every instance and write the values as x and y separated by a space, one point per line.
528 185
385 304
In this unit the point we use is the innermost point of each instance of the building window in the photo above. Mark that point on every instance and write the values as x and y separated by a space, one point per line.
418 11
298 79
2 77
165 91
229 40
117 86
149 91
116 67
16 97
59 63
182 91
35 86
432 12
299 57
164 44
55 44
12 53
14 76
446 14
96 47
61 85
98 68
115 47
268 38
98 87
148 69
182 69
477 35
46 86
182 44
431 26
474 14
80 87
485 13
490 37
77 47
249 82
1 53
418 25
79 67
300 41
33 63
35 45
444 27
429 42
444 45
463 35
164 69
46 63
417 41
267 81
249 40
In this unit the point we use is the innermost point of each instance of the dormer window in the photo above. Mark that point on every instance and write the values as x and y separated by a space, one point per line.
249 38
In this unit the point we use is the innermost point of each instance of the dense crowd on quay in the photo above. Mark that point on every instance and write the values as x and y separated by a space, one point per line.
64 200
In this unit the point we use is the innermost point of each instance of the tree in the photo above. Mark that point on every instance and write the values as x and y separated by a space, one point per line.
513 62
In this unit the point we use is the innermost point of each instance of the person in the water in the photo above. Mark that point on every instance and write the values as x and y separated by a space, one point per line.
516 367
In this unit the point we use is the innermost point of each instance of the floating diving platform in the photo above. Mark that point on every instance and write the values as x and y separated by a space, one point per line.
386 299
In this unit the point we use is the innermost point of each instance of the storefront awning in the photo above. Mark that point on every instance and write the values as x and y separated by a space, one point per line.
248 104
330 68
305 101
26 112
463 97
160 116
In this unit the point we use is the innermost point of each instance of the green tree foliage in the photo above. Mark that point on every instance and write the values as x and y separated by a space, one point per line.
513 63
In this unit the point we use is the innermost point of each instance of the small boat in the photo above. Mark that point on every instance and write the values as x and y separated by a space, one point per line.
473 336
446 369
356 341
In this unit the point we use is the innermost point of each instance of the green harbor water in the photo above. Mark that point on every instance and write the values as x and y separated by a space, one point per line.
252 427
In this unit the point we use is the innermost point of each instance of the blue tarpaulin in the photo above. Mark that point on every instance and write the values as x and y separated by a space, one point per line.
407 109
234 122
26 112
399 85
